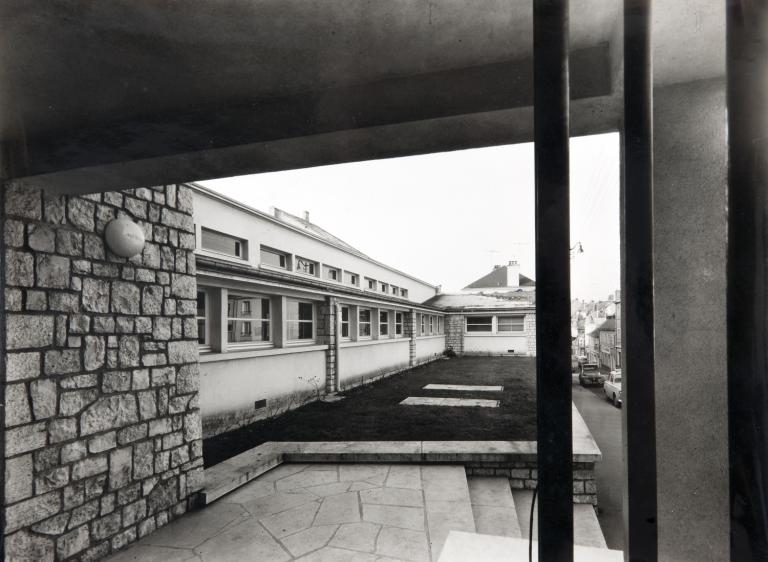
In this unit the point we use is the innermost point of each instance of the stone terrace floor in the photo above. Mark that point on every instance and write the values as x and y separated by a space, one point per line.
322 512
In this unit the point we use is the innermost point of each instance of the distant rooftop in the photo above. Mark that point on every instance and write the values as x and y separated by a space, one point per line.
481 301
312 228
503 276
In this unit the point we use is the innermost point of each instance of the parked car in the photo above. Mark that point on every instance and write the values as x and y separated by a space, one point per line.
612 388
590 375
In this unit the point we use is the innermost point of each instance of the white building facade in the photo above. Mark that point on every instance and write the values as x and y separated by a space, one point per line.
287 313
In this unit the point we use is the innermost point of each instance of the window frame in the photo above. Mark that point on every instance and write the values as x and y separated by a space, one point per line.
205 346
473 332
315 265
361 323
284 255
499 323
328 270
344 323
269 342
398 325
240 243
384 323
313 322
354 278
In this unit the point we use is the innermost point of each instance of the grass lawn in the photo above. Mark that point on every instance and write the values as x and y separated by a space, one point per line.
374 413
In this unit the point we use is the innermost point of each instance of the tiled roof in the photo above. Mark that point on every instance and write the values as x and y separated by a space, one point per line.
608 326
482 301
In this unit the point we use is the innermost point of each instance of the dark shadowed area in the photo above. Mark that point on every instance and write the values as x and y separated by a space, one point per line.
374 413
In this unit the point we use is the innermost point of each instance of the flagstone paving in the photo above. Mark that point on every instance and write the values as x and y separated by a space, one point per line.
322 512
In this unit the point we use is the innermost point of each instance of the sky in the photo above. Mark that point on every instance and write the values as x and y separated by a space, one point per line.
448 217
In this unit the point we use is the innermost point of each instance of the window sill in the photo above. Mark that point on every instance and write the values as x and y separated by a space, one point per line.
223 257
493 334
432 337
243 354
363 343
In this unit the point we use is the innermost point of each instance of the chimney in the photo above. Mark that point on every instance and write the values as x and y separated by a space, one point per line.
513 274
306 216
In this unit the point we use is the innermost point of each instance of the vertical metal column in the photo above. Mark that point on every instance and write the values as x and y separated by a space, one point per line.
747 275
553 280
639 417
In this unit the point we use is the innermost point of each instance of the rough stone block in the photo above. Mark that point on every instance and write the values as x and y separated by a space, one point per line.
44 396
26 547
106 526
163 376
79 381
52 480
73 452
125 298
163 496
55 525
17 409
64 302
95 349
81 213
147 405
132 433
183 286
21 366
19 268
140 379
109 412
62 362
188 378
41 237
129 352
182 352
73 542
52 271
103 442
23 201
14 234
143 460
89 466
31 511
116 381
24 438
62 429
120 467
74 401
96 295
69 242
18 478
162 328
93 247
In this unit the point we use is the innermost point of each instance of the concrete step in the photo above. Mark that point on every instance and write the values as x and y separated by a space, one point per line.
586 527
461 547
493 506
447 503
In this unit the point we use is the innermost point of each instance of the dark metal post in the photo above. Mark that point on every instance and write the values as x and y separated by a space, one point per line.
553 280
747 319
639 417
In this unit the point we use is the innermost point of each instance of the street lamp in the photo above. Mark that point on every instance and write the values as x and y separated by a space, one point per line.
576 249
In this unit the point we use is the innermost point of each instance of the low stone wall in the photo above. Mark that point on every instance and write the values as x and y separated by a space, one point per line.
524 476
102 432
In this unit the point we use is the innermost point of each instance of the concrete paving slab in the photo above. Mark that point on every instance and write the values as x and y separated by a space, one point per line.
357 536
332 489
446 516
197 527
404 476
395 516
462 546
245 541
343 508
146 553
493 520
450 402
279 502
465 387
333 554
403 544
392 496
308 540
306 479
291 521
373 473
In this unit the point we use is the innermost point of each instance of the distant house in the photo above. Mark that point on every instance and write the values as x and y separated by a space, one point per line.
605 337
495 315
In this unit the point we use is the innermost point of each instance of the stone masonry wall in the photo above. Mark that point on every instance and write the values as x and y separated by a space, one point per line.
529 325
101 420
454 332
327 334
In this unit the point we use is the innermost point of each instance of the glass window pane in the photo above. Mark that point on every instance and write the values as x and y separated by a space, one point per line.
305 330
305 311
221 243
365 329
365 316
201 297
344 314
201 331
275 259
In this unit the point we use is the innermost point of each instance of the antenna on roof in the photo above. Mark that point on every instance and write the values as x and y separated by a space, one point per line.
306 216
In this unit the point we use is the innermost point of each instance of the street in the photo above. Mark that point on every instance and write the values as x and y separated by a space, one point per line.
604 421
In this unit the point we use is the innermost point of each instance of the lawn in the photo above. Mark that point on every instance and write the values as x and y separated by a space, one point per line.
374 413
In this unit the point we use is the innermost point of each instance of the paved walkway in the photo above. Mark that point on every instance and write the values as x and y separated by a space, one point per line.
322 512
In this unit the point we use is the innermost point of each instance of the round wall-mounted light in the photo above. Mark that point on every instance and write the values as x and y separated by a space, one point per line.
124 237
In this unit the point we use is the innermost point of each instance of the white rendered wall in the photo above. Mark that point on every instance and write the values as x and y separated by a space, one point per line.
257 229
495 344
429 346
230 387
369 359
